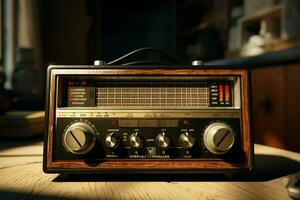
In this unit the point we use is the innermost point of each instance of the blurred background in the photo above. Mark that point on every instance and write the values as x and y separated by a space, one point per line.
263 35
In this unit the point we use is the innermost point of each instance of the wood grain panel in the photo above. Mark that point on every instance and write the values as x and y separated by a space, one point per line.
292 133
268 105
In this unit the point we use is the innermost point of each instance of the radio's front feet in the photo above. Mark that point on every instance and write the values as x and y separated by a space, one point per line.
111 141
162 141
135 141
79 138
186 141
218 138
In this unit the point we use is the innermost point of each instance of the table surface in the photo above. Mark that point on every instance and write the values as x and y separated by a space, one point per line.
22 177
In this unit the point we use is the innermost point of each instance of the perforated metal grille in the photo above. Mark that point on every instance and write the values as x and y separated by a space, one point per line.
153 95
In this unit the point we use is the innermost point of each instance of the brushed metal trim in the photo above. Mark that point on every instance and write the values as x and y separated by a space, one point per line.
75 113
237 93
141 78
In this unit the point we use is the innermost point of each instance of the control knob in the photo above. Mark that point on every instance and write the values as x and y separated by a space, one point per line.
162 141
186 140
111 141
79 138
218 138
135 141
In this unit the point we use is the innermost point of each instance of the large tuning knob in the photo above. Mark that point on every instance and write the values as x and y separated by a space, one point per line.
186 140
218 138
79 138
162 141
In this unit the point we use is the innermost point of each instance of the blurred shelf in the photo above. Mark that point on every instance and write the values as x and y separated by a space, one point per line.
20 124
198 28
194 30
281 45
232 54
284 44
273 11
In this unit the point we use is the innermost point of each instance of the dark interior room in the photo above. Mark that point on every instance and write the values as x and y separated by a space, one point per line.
136 99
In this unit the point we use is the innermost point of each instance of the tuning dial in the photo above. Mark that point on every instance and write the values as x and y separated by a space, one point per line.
111 141
135 141
186 141
79 138
162 141
218 138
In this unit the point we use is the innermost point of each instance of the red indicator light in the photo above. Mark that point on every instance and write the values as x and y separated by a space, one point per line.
114 123
221 93
227 93
186 122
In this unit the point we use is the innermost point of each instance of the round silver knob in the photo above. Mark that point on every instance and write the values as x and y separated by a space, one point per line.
186 141
111 141
135 141
162 141
218 138
79 138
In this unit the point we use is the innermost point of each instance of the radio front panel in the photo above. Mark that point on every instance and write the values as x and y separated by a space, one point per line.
122 129
102 120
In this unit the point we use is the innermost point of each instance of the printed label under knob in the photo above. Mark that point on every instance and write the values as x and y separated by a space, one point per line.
79 138
218 138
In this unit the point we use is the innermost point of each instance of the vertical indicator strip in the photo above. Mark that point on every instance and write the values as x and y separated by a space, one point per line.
227 94
221 93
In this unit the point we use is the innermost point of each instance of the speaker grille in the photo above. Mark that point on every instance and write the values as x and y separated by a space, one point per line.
149 95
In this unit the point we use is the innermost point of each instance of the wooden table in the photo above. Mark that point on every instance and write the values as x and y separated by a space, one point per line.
21 177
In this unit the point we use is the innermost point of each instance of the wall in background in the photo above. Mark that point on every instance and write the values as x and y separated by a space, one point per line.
64 31
128 25
84 31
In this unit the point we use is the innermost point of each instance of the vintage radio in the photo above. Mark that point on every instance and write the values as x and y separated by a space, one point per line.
147 119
